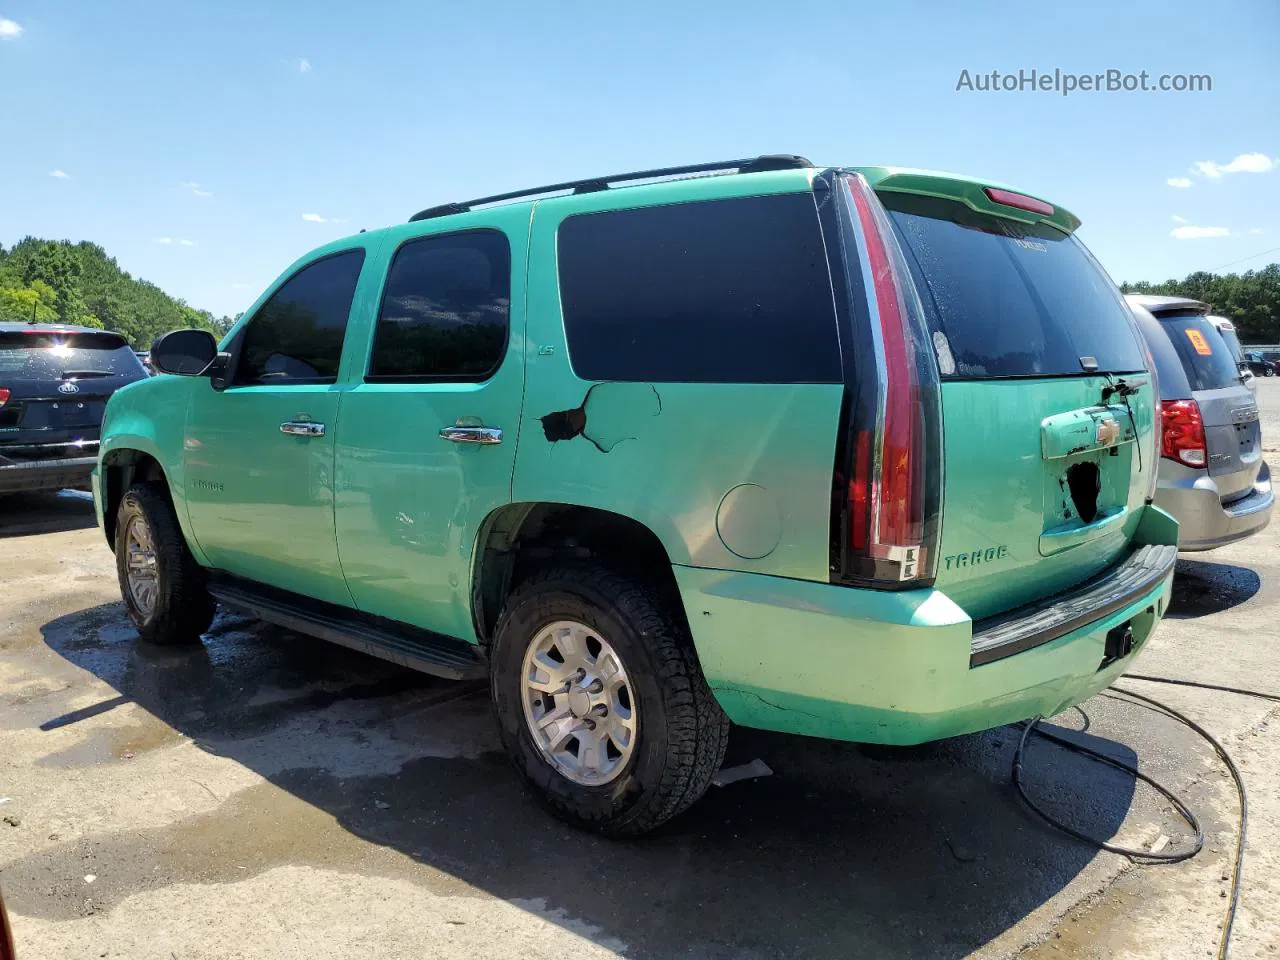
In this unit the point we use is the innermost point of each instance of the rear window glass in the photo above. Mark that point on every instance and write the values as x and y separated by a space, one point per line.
717 291
53 356
1204 354
1012 299
1169 373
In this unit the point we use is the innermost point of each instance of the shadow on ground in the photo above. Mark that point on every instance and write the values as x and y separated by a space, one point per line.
1202 587
24 514
843 852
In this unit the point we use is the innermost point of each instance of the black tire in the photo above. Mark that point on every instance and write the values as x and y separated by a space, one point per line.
183 608
1268 373
682 731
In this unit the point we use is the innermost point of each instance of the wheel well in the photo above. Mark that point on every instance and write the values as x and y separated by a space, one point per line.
121 470
523 537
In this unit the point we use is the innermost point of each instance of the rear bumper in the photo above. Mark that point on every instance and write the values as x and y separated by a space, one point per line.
1203 522
36 475
895 667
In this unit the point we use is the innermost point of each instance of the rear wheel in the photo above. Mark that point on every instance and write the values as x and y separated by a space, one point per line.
601 702
1268 372
162 585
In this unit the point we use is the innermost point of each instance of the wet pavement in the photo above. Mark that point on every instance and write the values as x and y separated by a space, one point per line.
268 795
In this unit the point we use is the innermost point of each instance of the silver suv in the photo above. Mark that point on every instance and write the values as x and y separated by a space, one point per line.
1212 477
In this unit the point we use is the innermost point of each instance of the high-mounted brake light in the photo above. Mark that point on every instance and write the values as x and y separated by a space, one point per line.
4 396
1182 433
892 447
1010 199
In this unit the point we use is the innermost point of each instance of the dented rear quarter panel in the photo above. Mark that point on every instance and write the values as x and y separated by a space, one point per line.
696 463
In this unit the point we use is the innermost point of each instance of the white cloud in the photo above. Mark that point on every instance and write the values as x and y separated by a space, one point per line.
1178 219
1245 163
1256 230
171 241
338 220
1180 182
196 188
9 30
1198 233
314 218
60 174
304 65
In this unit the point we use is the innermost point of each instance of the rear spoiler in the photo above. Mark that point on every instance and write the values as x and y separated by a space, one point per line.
974 194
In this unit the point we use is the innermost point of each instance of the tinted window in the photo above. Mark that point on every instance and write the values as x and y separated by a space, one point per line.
1169 373
49 356
445 309
1013 299
1205 357
714 292
297 335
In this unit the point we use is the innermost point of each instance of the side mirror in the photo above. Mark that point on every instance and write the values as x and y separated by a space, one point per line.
187 353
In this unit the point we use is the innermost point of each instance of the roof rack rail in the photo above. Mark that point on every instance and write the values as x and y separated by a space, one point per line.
772 161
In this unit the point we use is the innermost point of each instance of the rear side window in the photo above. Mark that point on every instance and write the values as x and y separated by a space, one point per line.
718 291
1012 299
57 356
445 310
296 337
1204 354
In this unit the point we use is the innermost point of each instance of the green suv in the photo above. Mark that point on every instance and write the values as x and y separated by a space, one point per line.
863 453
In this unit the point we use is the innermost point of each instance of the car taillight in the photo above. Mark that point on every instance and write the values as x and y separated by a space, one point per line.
1182 433
892 446
4 396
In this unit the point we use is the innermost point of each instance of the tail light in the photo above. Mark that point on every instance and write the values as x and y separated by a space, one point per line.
1182 433
891 452
4 396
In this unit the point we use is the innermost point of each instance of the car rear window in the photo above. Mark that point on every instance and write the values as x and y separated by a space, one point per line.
1170 376
715 291
1012 299
1205 356
53 356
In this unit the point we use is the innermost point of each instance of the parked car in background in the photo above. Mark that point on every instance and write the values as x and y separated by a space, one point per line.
1213 478
144 358
853 453
1227 330
54 384
1260 365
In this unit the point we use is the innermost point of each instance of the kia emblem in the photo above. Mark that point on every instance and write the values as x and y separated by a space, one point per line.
68 387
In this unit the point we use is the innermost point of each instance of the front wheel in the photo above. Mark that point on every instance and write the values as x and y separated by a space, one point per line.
601 702
162 585
1268 373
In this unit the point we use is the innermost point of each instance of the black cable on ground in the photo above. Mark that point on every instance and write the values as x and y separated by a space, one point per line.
1233 898
1183 810
1204 686
1173 856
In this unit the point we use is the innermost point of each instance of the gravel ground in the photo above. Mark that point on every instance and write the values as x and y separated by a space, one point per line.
269 796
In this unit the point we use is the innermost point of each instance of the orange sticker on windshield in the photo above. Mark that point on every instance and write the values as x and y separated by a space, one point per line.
1199 342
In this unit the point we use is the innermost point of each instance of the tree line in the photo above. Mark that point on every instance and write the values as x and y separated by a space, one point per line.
56 281
1250 300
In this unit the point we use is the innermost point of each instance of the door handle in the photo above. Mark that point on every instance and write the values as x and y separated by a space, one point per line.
485 435
302 428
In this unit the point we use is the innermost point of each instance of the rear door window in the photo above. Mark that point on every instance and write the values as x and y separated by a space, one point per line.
715 291
66 356
1012 299
445 310
1204 354
1169 373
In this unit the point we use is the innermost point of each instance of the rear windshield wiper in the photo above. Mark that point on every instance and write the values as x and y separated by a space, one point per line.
82 374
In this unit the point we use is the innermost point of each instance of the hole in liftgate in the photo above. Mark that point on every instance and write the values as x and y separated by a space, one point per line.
1084 481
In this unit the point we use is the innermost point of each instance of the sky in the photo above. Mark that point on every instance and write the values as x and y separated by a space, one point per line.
208 145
